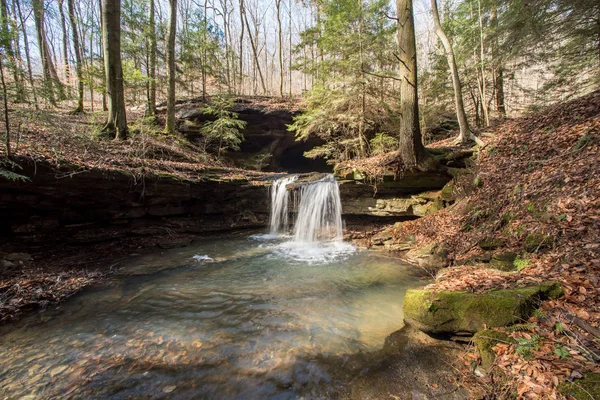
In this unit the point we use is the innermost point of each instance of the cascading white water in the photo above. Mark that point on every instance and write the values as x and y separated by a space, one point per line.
319 212
280 198
318 230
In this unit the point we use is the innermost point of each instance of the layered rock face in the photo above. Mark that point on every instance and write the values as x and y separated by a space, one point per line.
63 200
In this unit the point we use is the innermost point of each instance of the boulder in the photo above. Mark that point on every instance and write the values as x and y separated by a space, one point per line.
448 312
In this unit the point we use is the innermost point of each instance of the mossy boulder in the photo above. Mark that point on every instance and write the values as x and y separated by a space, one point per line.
448 312
485 341
490 243
503 261
587 388
447 193
536 241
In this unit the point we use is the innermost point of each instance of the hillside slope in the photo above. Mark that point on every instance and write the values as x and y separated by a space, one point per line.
535 193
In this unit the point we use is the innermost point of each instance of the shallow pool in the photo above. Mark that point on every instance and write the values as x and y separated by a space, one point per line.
230 318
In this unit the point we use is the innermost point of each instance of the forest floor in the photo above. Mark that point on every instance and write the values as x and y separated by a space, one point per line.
57 136
538 175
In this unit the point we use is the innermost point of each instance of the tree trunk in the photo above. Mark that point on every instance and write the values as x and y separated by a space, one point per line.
498 67
152 61
78 62
116 124
27 53
241 80
411 149
465 132
51 79
5 101
254 51
65 43
170 127
279 38
486 115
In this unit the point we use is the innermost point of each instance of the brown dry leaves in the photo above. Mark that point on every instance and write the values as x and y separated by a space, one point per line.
540 174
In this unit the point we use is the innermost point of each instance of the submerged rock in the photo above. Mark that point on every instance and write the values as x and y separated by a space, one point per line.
447 312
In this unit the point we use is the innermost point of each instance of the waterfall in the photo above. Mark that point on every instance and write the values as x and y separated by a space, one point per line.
280 198
319 212
318 230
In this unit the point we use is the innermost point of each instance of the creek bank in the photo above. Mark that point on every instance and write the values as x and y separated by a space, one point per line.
411 365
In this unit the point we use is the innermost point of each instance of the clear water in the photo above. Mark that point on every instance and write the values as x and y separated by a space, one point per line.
251 320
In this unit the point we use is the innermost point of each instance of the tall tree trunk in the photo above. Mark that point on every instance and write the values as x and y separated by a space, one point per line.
465 132
411 149
116 124
204 49
242 29
498 67
279 38
49 70
254 51
290 46
65 44
484 103
102 53
152 60
170 127
5 101
78 62
27 53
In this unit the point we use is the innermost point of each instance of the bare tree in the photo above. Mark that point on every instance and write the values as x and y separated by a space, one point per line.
48 68
17 4
280 40
151 42
465 131
78 62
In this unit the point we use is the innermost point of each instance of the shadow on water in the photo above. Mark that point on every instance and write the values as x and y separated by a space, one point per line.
239 321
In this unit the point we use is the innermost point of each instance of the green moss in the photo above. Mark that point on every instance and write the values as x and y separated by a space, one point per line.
587 388
485 341
551 290
453 312
503 261
536 241
490 243
448 192
467 312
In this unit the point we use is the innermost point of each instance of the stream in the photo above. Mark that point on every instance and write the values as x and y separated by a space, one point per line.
250 317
